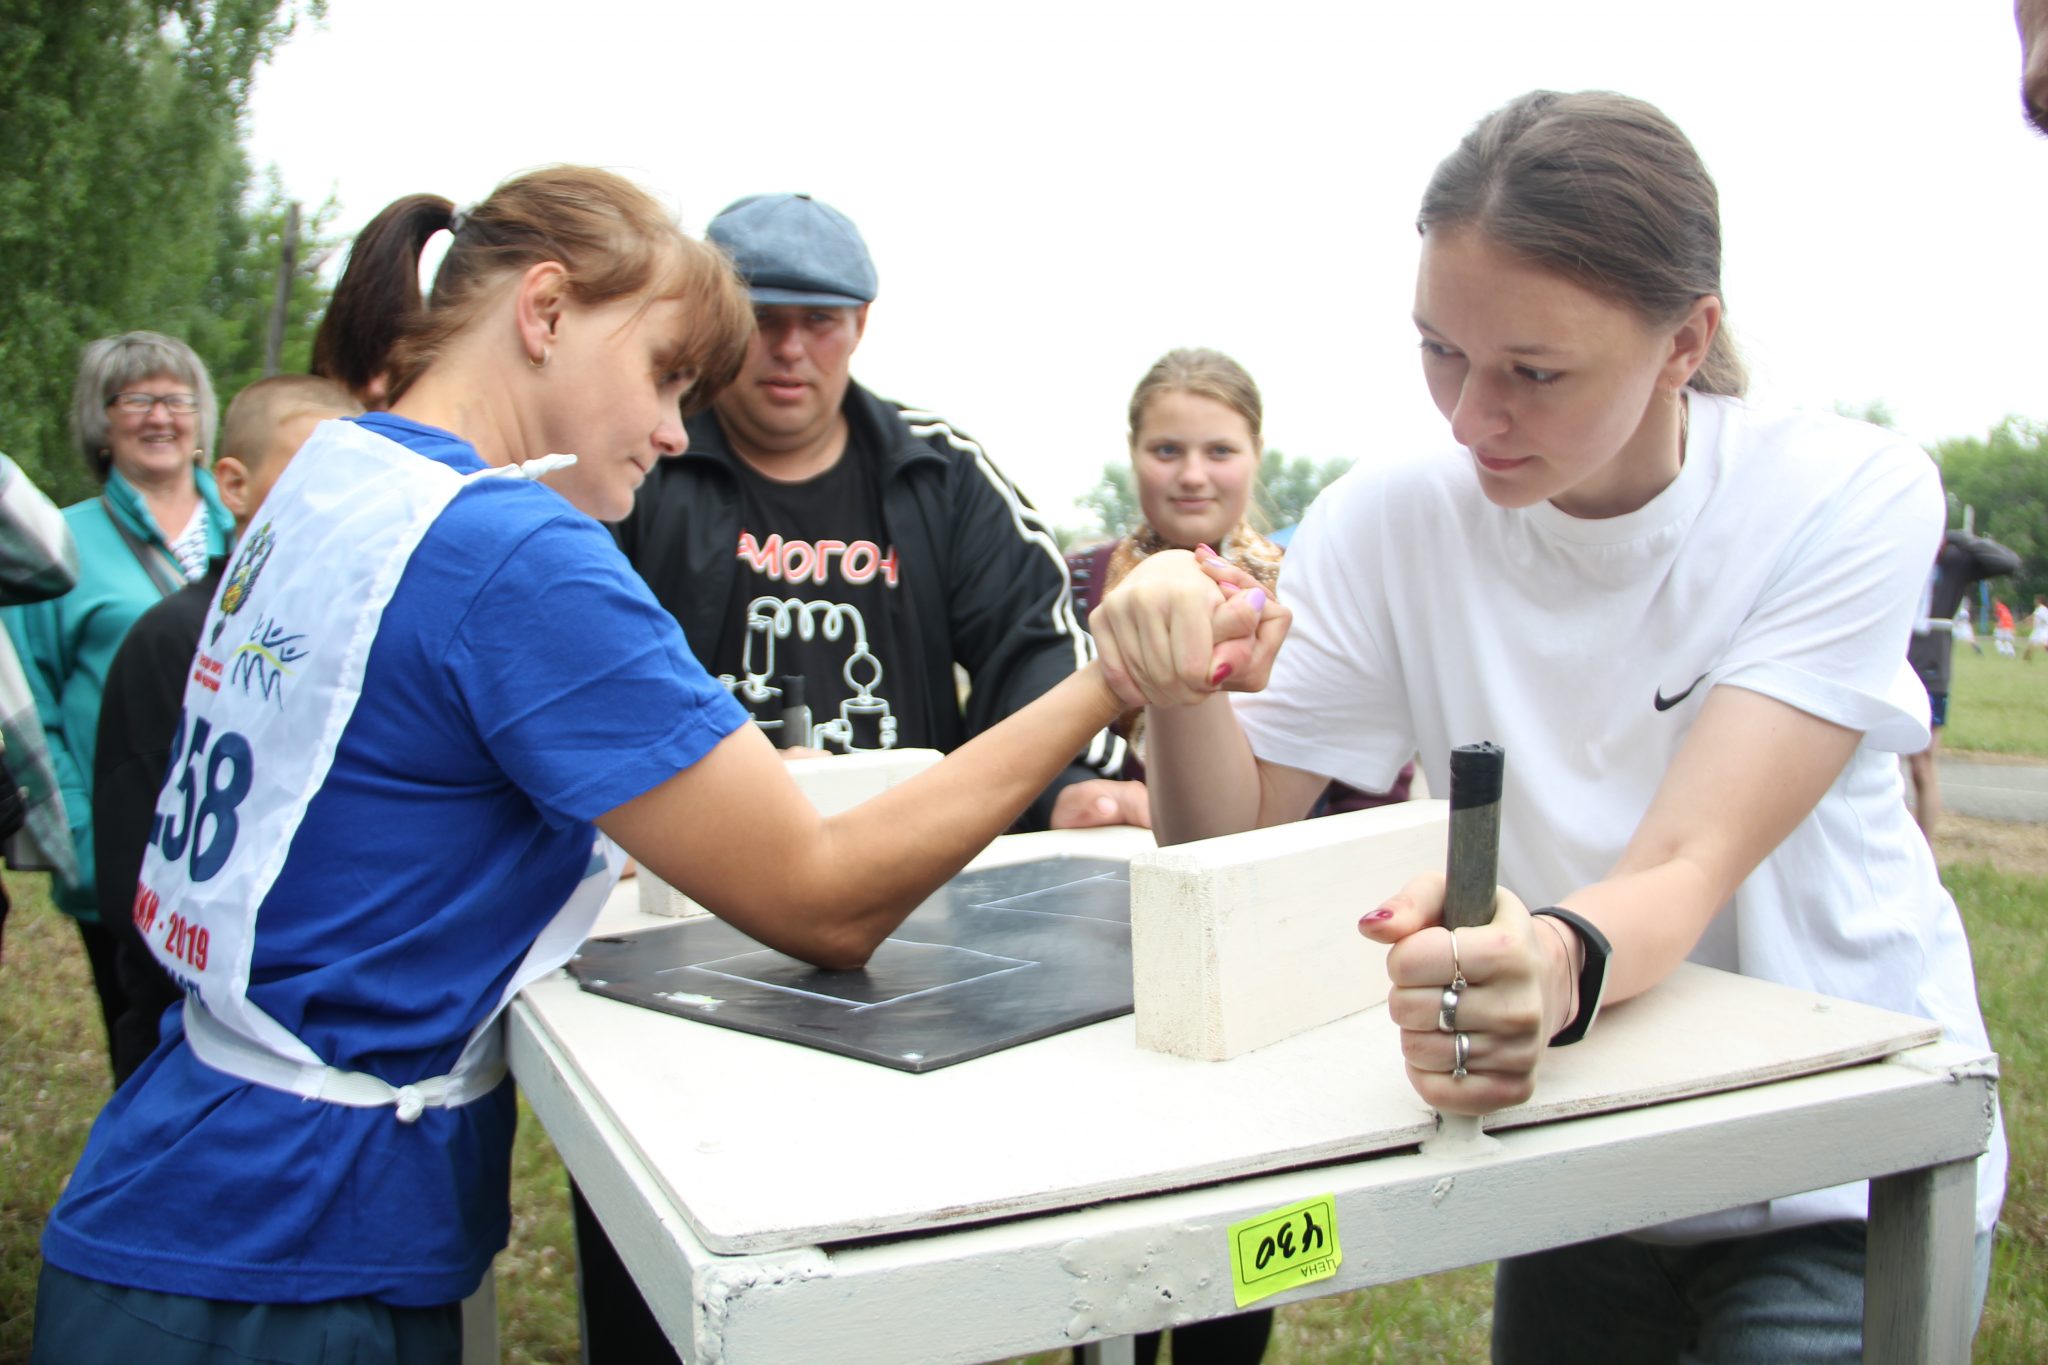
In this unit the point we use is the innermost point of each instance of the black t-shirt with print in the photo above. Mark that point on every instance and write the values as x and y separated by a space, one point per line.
818 596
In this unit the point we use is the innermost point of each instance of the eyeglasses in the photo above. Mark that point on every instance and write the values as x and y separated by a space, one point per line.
183 404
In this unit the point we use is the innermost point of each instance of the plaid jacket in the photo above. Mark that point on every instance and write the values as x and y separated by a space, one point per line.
38 561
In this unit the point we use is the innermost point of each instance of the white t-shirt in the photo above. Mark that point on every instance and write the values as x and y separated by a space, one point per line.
2040 631
1787 558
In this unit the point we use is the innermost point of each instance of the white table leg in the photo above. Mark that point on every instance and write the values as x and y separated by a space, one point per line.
1110 1351
1918 1271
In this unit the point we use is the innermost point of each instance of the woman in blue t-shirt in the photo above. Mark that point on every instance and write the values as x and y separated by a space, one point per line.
428 682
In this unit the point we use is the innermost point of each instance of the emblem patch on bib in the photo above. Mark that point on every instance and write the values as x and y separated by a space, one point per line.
242 578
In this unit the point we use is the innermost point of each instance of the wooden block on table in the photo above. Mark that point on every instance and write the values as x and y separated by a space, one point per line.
835 783
1245 940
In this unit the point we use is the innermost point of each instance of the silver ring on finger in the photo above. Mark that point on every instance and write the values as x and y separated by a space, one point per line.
1457 970
1461 1050
1447 1012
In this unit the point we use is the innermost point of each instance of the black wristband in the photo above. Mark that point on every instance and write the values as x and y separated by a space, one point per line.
1592 973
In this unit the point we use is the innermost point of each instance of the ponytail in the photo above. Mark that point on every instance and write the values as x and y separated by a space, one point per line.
378 296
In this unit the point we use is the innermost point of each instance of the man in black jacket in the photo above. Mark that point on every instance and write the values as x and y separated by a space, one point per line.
832 557
815 531
145 692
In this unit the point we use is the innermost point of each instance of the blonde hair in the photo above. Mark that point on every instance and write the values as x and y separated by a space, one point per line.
268 404
612 238
1206 373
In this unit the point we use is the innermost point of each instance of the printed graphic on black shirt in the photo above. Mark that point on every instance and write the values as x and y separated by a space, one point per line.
813 649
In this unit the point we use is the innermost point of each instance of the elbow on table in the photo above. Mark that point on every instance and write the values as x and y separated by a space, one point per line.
838 947
836 937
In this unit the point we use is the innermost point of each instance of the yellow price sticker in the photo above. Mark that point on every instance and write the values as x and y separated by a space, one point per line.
1284 1249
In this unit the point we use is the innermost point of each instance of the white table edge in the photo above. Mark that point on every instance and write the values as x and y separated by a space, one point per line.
1051 1280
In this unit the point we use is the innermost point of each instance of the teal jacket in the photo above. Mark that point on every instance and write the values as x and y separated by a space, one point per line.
67 644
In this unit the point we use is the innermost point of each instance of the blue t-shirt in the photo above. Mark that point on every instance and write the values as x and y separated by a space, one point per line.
523 682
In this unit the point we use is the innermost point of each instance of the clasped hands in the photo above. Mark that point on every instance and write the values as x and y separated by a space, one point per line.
1184 625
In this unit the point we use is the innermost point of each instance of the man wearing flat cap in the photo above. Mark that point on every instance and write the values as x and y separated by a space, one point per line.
831 556
814 531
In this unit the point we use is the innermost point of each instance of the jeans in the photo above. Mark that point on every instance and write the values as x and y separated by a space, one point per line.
1793 1296
85 1322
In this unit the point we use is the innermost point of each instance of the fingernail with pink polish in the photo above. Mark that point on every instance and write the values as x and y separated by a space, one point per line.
1383 913
1257 599
1222 672
1204 552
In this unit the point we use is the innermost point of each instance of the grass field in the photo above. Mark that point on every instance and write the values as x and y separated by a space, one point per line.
1998 705
53 1077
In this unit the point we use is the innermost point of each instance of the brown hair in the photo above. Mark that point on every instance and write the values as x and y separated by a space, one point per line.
1604 190
1209 374
360 328
611 237
267 404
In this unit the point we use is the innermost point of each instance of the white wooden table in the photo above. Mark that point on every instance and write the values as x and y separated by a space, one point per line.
781 1204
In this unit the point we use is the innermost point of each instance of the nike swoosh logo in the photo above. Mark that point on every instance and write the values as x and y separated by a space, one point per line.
1665 703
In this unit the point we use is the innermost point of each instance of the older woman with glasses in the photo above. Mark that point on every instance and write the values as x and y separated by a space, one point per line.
143 415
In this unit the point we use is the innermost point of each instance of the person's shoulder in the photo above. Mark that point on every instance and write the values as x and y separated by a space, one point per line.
1782 443
495 518
162 641
909 424
1834 475
1083 556
87 514
175 617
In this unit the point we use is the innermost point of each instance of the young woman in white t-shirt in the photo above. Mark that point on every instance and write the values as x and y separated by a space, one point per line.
1684 618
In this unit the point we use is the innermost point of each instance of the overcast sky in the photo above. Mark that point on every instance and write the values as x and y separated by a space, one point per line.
1055 194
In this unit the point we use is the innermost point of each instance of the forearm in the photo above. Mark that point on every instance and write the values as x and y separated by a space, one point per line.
1652 917
733 832
1203 778
1752 769
880 859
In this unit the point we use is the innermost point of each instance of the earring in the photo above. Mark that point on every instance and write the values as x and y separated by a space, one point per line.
546 354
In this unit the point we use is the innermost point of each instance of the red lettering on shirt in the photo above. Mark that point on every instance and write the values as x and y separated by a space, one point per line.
760 557
799 561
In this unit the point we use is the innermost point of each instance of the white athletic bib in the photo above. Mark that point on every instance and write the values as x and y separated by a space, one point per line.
278 673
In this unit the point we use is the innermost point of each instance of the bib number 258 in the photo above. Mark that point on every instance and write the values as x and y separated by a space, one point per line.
209 785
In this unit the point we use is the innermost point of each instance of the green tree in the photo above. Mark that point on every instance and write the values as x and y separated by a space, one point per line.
2004 477
1287 486
1114 501
127 200
1875 411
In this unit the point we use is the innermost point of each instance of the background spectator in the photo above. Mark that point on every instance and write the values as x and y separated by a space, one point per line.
1962 560
145 688
143 415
